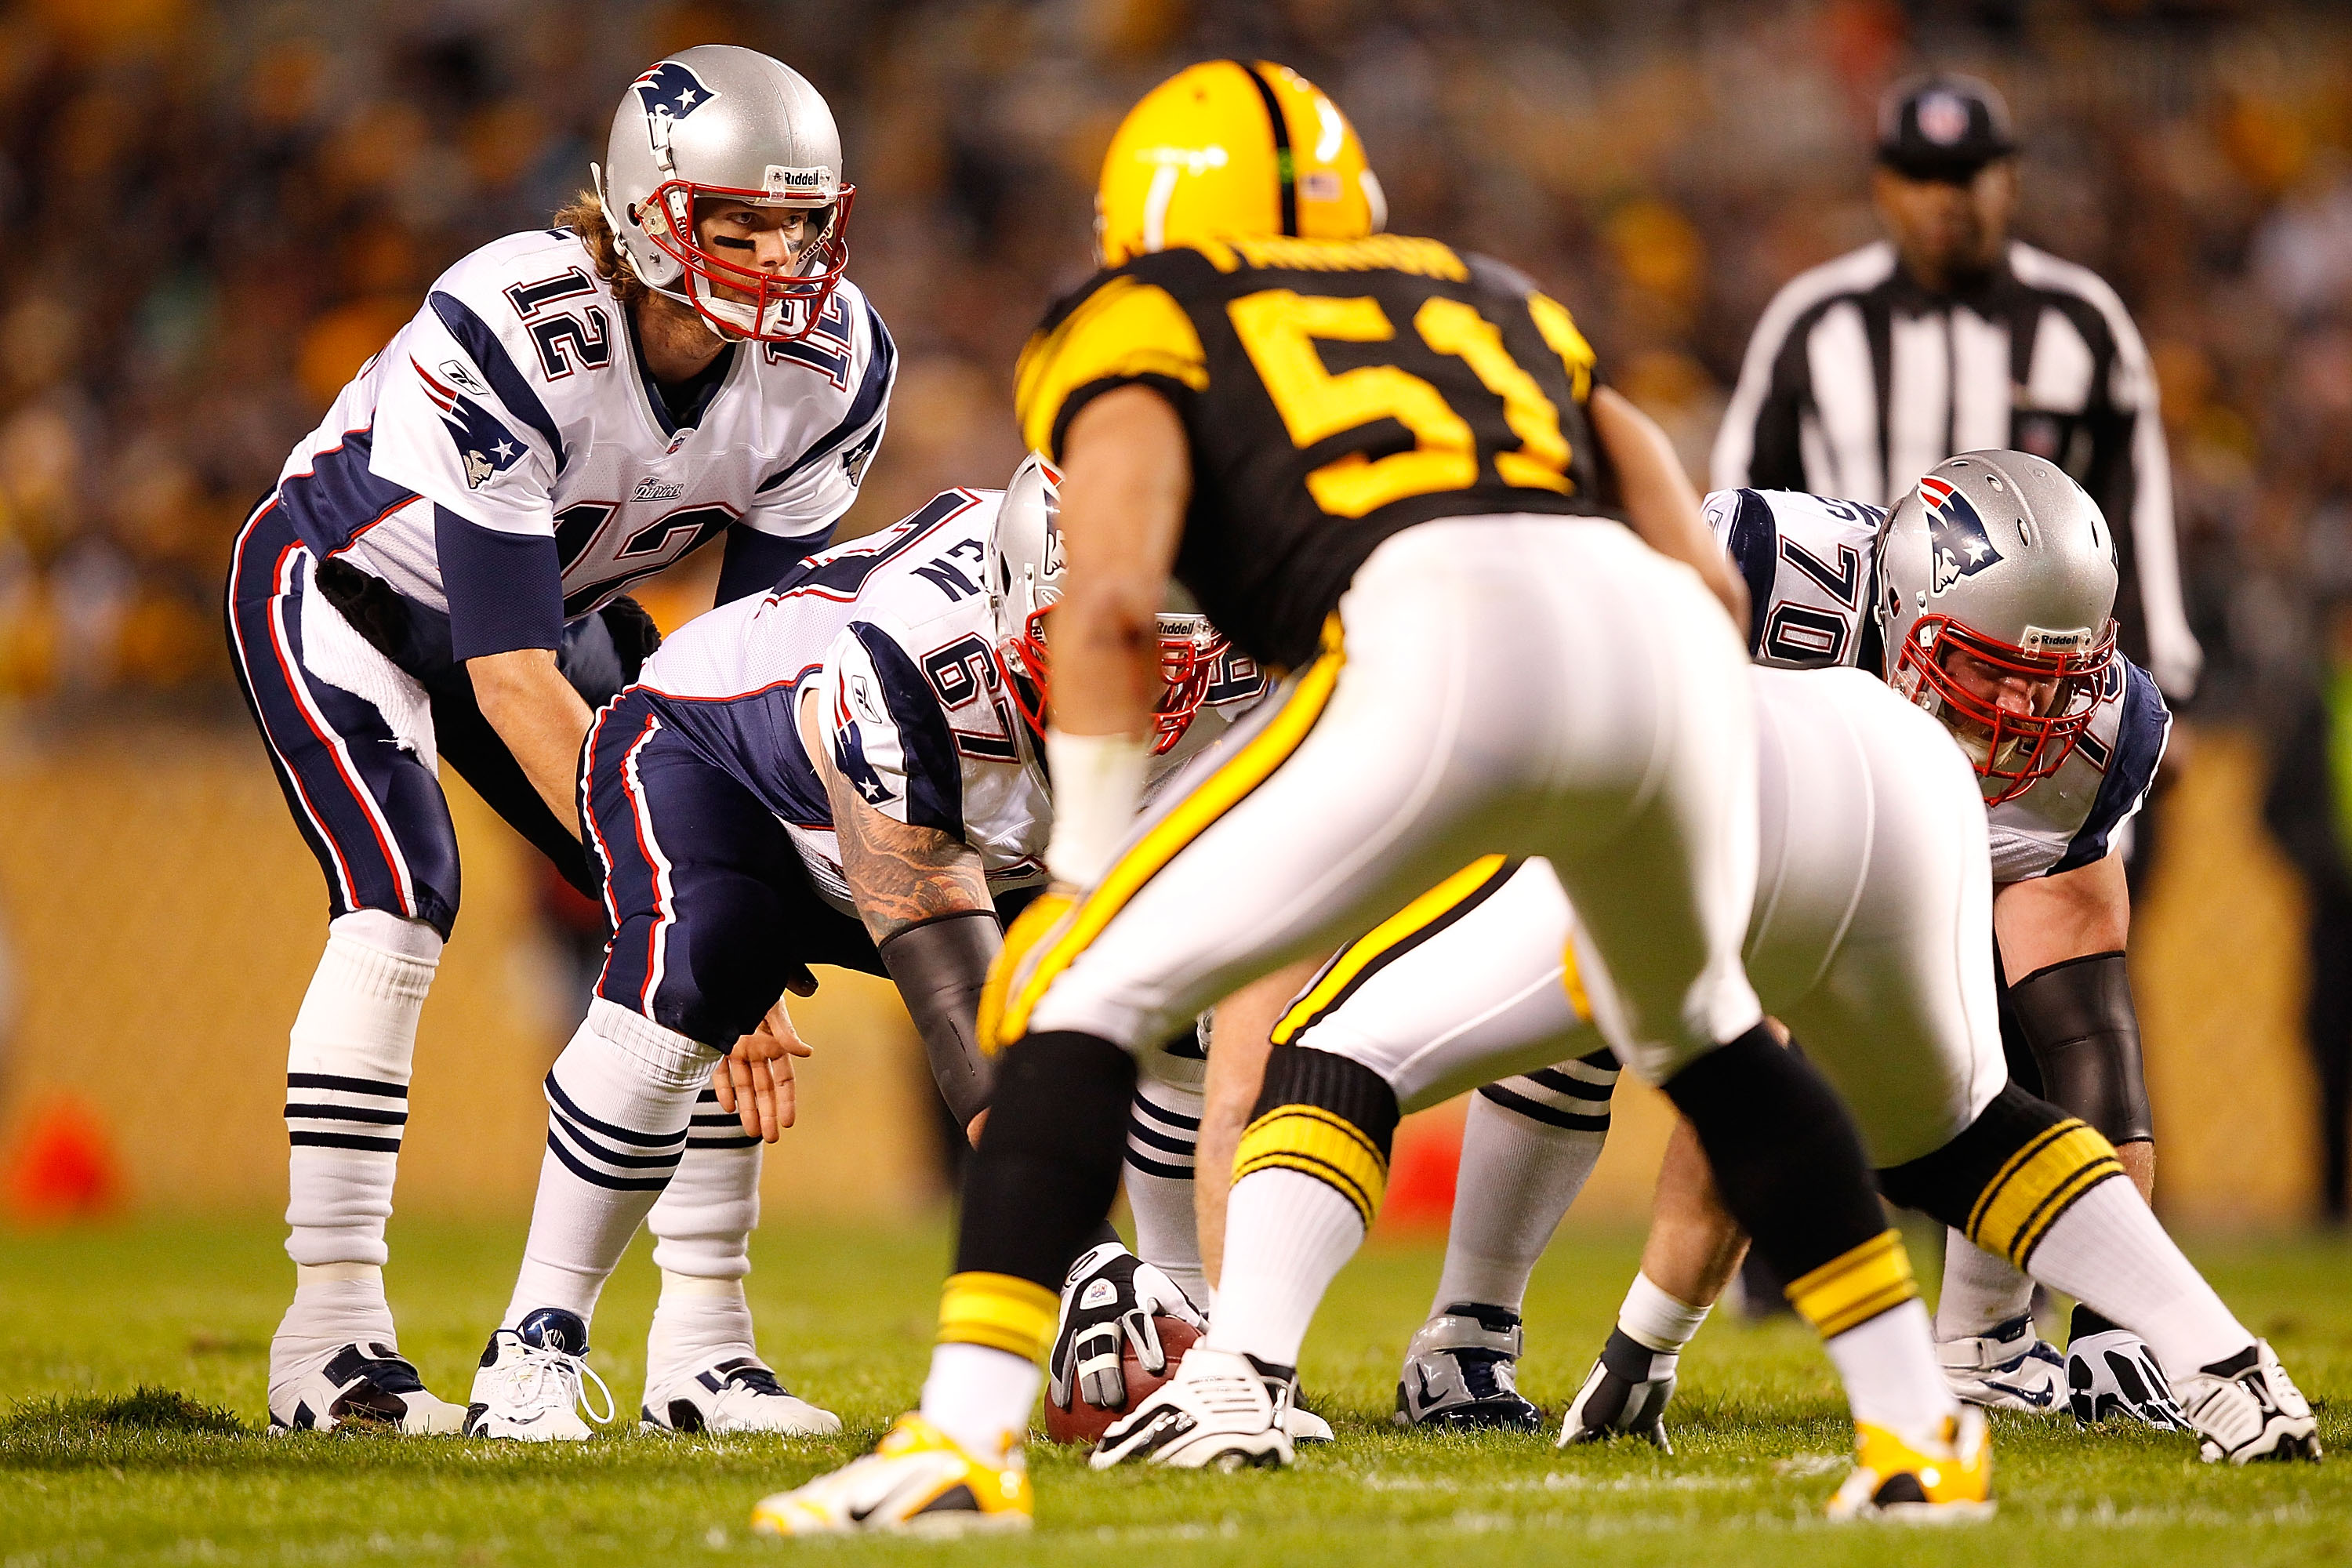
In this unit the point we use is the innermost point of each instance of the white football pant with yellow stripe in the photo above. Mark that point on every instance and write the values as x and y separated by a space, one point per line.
1509 685
1866 939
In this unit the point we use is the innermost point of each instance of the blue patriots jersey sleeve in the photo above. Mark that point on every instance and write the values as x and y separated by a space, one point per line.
2129 759
851 350
1807 561
888 732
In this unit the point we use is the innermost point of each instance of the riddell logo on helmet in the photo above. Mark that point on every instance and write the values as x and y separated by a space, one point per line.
1958 542
790 184
1191 160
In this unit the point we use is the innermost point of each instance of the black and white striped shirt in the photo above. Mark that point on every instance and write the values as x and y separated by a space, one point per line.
1858 380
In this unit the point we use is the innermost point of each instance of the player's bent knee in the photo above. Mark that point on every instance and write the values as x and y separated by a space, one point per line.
389 933
1325 1117
2009 1175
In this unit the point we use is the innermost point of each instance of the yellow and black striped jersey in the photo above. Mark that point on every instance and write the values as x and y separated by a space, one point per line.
1334 393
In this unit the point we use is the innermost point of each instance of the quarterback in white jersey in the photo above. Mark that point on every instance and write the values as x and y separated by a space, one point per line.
840 771
438 574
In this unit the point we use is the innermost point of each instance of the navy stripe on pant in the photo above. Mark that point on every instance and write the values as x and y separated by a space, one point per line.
710 908
372 812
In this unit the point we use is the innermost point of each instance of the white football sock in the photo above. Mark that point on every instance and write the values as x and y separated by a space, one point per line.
1661 1322
1892 1379
1524 1159
347 1068
980 1397
2108 1251
1286 1235
698 1324
702 1223
1981 1290
1162 1132
619 1099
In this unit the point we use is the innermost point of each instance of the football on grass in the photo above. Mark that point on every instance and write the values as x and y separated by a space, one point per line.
1083 1423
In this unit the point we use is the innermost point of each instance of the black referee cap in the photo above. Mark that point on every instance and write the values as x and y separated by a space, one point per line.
1942 126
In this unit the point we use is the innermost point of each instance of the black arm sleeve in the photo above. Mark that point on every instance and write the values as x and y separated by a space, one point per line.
2084 1035
940 967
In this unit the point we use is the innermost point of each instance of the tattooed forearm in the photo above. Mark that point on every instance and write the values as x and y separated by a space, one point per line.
901 876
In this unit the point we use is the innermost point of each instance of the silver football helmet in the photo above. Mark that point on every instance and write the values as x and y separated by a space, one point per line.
1024 570
1996 588
716 120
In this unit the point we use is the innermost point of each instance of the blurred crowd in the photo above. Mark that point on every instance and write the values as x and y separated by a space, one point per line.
221 209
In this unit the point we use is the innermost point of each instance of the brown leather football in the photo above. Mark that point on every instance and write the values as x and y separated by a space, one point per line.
1083 1423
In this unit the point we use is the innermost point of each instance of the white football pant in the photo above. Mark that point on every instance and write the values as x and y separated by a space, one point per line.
1512 684
1871 935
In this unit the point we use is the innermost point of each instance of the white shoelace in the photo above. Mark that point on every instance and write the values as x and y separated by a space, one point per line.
536 1366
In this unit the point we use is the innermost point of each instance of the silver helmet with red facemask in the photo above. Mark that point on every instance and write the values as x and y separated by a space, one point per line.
1995 593
1024 580
720 124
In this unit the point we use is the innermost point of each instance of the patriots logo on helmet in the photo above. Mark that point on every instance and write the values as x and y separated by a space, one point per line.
1958 541
670 91
485 447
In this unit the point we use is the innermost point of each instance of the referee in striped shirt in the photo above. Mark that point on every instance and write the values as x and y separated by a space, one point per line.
1952 337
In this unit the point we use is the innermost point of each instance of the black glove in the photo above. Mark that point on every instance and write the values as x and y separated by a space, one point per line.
634 636
373 606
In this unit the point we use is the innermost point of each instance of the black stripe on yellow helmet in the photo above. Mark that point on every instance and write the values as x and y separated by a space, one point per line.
1229 150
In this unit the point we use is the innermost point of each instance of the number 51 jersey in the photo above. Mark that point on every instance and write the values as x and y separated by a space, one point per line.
1333 394
1810 563
509 437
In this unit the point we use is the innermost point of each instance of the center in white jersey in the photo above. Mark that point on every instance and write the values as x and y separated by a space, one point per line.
895 635
1810 563
509 439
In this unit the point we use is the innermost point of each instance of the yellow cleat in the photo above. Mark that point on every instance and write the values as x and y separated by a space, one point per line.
918 1479
1946 1481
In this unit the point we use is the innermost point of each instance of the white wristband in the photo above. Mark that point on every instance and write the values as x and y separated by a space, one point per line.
1098 781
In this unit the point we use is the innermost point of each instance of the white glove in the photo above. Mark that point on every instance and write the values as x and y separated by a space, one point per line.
1111 1296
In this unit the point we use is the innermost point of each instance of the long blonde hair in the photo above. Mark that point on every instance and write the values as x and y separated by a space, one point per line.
585 215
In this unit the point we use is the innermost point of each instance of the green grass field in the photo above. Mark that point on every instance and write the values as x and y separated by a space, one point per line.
86 1317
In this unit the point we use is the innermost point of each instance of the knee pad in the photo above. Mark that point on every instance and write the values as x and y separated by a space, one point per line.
1325 1117
388 932
2084 1033
2008 1176
1048 1162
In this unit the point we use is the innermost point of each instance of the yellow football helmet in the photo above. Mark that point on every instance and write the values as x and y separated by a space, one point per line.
1233 149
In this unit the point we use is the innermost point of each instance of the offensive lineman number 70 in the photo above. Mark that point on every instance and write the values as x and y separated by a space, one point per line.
1278 327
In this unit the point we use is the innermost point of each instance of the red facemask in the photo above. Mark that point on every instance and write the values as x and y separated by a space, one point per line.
2017 750
797 297
1188 662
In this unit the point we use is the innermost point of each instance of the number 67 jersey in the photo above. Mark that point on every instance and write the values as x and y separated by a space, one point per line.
509 437
1811 563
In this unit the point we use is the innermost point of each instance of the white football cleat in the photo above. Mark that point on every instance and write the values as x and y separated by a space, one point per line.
2011 1367
1624 1394
918 1479
2111 1375
1303 1424
531 1382
323 1386
1220 1410
738 1394
1461 1372
2246 1409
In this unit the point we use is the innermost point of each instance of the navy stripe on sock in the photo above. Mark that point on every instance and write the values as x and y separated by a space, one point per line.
599 1179
348 1113
562 1102
1537 1112
348 1085
343 1141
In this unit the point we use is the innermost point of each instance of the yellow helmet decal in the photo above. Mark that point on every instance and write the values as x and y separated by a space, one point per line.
1233 149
